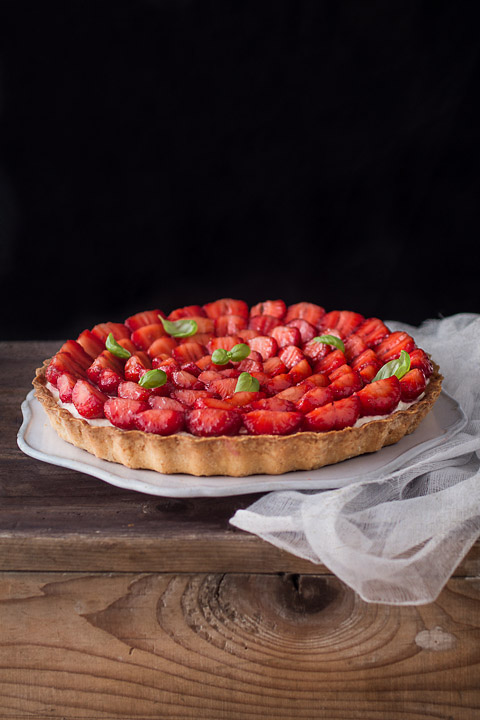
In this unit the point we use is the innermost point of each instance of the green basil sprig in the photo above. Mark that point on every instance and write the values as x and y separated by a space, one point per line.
247 383
399 367
330 340
179 328
112 346
153 379
237 353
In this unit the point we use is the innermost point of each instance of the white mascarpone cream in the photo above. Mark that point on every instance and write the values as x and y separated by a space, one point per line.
103 422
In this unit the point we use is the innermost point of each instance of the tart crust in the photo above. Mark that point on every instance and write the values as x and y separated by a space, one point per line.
237 455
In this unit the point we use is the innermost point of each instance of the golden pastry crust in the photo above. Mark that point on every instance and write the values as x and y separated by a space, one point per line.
238 455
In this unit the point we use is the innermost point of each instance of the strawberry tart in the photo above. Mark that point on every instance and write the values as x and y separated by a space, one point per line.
227 389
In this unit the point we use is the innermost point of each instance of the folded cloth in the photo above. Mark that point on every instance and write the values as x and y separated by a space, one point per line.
396 539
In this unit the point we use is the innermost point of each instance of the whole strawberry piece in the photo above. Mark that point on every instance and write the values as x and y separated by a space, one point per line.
160 422
380 397
88 400
211 422
272 422
122 411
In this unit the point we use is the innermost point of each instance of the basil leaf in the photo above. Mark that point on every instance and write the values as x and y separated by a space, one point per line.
239 352
220 356
399 367
179 328
330 340
153 379
247 383
112 346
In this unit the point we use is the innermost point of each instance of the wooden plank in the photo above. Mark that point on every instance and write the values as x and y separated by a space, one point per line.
227 646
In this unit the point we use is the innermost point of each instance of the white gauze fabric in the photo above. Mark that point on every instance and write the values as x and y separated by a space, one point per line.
396 540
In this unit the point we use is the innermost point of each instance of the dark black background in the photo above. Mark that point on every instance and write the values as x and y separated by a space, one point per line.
157 154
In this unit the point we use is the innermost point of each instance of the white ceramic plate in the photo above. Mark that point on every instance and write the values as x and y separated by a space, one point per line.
37 438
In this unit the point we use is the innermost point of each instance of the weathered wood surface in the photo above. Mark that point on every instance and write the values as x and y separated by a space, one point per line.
120 605
232 646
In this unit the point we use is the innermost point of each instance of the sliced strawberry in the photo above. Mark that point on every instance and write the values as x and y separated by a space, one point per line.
122 411
246 335
316 397
108 381
366 364
161 346
205 326
293 393
230 325
272 422
103 362
212 402
65 384
164 403
148 317
136 366
60 363
263 324
118 330
201 338
185 380
160 422
315 351
205 362
88 400
133 391
300 371
419 359
188 311
337 415
226 306
278 383
73 348
317 379
191 368
208 376
344 322
412 385
354 346
212 422
226 342
330 362
188 352
92 345
380 397
265 345
188 397
306 311
250 366
345 381
286 335
144 336
245 397
274 308
128 345
290 355
274 403
372 331
392 345
169 365
225 387
306 329
274 366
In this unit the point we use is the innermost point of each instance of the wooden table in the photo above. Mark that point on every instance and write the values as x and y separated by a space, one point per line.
115 604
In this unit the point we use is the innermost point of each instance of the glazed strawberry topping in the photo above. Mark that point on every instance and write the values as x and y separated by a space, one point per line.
287 377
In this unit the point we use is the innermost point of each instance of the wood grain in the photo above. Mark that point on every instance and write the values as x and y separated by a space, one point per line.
228 646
